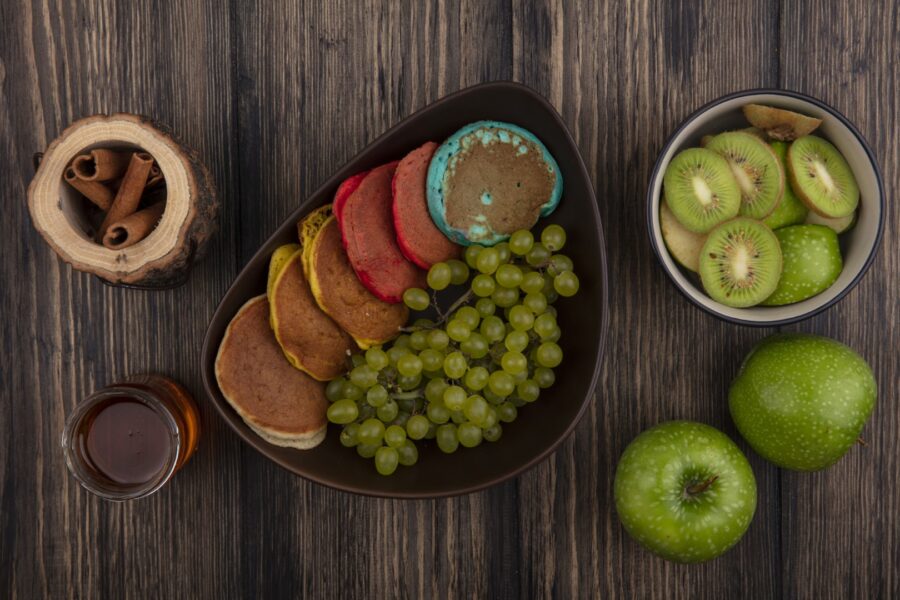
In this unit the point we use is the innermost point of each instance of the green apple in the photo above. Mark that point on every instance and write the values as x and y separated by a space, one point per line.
685 491
801 400
811 263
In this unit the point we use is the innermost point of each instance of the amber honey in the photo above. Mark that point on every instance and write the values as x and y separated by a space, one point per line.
127 440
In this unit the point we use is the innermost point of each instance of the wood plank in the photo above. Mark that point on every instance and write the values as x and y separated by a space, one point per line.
65 334
842 537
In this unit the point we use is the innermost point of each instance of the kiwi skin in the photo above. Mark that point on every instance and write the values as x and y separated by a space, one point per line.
778 123
683 244
769 267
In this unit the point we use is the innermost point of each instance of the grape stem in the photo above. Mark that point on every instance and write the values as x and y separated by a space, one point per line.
406 395
699 488
442 316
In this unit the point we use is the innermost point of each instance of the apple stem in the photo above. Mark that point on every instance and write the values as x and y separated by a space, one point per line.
861 442
699 488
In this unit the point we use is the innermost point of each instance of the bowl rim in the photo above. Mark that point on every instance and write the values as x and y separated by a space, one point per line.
657 168
259 445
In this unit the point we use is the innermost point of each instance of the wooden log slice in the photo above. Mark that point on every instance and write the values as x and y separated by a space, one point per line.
188 221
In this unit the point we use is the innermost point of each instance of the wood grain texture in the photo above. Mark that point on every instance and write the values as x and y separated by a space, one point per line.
275 97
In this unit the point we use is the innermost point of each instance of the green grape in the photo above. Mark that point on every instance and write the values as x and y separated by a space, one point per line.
566 284
491 397
476 378
507 412
536 302
454 397
394 353
516 341
501 383
348 435
505 297
551 310
468 315
376 358
434 389
416 299
537 256
386 460
409 365
334 391
446 437
521 242
492 434
520 377
487 261
490 419
549 355
514 363
401 419
408 454
476 346
402 341
367 450
475 409
509 276
483 285
364 376
388 412
351 391
532 283
521 318
559 263
418 340
406 405
503 251
459 271
408 383
432 431
528 390
471 255
357 360
458 331
394 436
545 325
458 417
469 435
370 432
377 395
437 413
553 237
423 323
493 329
438 339
554 337
439 276
432 360
548 286
518 402
485 307
455 365
417 427
365 412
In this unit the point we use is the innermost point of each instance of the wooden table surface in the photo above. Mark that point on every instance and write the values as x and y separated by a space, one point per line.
277 97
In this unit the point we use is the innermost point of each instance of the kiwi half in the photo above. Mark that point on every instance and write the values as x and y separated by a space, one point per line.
791 210
684 245
700 190
780 124
740 263
822 178
755 167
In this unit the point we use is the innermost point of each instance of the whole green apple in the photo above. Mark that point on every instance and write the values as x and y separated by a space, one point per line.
801 400
685 491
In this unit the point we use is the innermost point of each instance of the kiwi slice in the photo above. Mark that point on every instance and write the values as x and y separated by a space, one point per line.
822 178
700 190
778 123
684 245
791 210
812 262
755 167
839 225
740 263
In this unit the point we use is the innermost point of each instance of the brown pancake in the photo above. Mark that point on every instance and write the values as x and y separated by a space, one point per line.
311 341
340 294
283 405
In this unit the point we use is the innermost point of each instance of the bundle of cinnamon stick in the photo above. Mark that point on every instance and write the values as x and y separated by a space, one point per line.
123 185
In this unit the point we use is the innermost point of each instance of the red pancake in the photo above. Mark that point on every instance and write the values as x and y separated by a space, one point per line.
367 229
347 187
418 238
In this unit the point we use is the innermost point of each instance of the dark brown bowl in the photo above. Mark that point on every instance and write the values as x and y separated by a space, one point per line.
540 427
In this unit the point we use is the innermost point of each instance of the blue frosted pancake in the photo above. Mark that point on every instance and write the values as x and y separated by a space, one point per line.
490 179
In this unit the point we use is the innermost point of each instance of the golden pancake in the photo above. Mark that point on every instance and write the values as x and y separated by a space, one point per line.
284 406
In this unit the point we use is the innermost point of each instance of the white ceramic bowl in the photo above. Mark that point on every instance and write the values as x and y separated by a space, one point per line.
858 245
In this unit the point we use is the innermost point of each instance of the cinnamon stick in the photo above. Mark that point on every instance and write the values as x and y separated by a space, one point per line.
101 164
129 195
94 191
155 178
133 228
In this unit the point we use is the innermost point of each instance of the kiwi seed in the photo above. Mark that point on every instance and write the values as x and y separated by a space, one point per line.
755 167
700 190
778 123
822 178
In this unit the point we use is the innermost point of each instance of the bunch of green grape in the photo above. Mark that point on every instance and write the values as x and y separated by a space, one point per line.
456 379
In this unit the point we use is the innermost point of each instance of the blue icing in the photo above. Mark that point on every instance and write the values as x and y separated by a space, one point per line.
486 199
444 162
